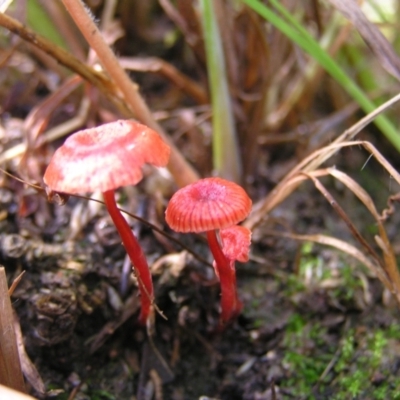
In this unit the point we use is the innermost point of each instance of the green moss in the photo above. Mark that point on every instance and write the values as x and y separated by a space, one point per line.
303 363
293 285
361 356
358 362
393 332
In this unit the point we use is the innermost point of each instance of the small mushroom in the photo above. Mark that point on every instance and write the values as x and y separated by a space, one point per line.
206 206
103 159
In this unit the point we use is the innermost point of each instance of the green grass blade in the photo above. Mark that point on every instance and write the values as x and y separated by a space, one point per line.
41 23
226 156
289 26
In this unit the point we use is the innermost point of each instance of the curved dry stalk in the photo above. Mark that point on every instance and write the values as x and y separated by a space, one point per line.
382 160
390 263
312 162
180 169
342 214
288 184
342 246
387 267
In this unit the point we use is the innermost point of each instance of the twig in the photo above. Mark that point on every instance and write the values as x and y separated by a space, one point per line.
65 58
167 70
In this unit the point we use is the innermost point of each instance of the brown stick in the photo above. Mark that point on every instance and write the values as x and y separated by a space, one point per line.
180 169
163 68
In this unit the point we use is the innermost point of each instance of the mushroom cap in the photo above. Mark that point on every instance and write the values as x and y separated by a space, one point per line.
208 204
236 242
105 158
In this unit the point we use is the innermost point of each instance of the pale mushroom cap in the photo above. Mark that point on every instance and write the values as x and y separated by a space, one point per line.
236 242
211 203
105 158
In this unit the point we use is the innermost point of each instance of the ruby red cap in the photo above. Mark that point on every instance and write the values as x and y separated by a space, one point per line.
105 158
210 203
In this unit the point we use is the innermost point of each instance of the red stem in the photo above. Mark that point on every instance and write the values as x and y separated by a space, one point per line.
135 254
230 304
238 303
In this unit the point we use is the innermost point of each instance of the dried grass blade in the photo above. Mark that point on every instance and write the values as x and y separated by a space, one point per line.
390 264
353 186
350 133
15 283
371 34
313 161
30 372
342 214
10 366
278 194
382 160
342 246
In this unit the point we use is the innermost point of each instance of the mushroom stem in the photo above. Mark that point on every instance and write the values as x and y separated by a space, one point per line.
135 254
230 304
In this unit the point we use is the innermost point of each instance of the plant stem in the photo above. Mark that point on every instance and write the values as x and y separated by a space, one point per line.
230 304
226 157
135 254
181 170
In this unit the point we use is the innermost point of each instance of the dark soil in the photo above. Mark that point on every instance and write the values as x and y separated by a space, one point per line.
290 341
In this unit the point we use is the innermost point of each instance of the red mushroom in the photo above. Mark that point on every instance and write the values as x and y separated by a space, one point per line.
103 159
205 206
